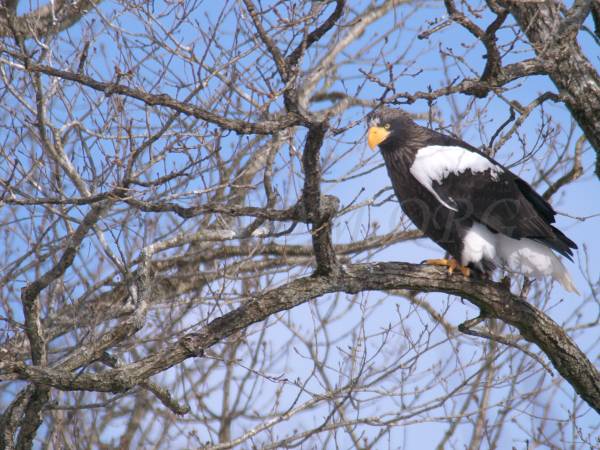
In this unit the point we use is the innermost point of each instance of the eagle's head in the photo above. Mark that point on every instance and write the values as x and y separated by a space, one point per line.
387 125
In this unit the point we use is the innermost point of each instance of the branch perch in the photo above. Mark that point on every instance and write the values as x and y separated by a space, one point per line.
493 299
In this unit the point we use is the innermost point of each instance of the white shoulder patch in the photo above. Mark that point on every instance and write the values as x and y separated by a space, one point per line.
436 162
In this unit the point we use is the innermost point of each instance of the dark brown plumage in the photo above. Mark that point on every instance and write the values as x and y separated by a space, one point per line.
473 207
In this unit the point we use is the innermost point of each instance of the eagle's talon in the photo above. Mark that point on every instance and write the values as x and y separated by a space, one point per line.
451 264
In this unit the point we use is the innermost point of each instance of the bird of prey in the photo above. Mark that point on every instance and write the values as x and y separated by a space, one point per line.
483 215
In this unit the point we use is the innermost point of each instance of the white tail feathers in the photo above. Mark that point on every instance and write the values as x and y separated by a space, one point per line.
561 275
533 259
524 256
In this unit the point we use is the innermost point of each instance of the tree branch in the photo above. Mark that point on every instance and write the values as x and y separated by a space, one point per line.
281 64
576 78
493 299
265 126
30 293
47 20
315 35
311 196
505 75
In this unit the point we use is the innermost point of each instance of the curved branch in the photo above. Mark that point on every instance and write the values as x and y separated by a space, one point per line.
293 58
48 19
110 88
493 299
554 43
505 75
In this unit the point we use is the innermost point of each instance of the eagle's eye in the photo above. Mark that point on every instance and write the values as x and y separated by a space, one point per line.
387 126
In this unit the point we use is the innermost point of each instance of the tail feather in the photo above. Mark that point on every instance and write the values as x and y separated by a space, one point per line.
560 274
532 258
564 244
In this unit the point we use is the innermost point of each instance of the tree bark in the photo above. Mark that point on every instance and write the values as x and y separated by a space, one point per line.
493 299
553 37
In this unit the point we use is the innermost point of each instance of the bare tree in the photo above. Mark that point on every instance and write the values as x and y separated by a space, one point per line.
197 245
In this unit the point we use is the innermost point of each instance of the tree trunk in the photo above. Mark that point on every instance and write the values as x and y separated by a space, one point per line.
553 36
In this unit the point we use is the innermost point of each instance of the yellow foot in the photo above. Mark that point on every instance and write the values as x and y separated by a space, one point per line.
451 264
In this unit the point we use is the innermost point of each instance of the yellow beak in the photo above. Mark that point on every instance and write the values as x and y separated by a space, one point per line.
376 136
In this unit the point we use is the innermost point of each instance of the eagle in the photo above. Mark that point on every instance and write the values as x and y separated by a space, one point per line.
477 210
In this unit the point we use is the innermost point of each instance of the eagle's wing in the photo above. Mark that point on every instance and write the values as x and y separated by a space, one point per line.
478 188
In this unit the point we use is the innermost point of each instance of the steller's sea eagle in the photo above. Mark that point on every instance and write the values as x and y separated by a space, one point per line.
483 215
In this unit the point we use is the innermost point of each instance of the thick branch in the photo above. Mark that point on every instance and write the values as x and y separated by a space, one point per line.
101 308
552 38
492 298
505 75
48 19
311 195
30 293
32 417
295 213
282 67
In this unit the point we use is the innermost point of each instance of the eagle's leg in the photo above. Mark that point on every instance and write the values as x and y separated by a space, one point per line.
452 264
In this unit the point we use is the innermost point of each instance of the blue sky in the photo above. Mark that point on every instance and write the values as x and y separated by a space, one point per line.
574 200
421 62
